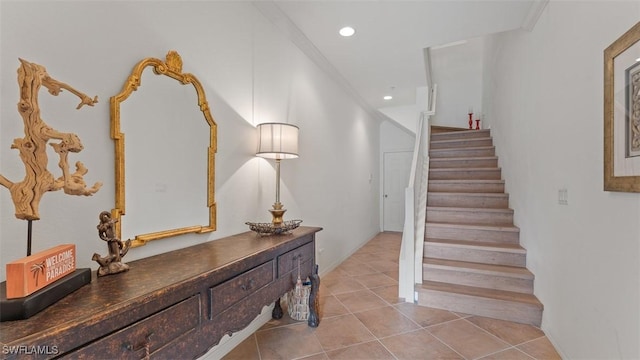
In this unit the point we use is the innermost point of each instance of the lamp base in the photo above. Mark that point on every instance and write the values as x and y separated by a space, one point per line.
277 213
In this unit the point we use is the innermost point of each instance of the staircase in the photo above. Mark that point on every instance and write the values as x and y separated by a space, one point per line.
473 262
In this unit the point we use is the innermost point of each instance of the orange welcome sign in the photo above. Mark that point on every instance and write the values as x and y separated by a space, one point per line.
30 274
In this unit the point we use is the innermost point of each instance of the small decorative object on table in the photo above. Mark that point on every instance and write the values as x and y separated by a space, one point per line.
303 303
470 117
112 263
314 299
271 229
40 280
298 299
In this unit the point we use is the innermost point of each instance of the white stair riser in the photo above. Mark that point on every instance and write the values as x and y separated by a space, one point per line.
475 254
462 143
471 216
469 174
461 152
463 163
468 200
484 133
484 235
460 276
497 309
487 187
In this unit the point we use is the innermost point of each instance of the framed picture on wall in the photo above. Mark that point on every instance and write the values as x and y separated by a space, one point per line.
622 113
632 99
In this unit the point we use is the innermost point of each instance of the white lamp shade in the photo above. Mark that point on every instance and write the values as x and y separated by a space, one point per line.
277 141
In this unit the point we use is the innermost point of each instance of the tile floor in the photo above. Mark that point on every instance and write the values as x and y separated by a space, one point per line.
362 318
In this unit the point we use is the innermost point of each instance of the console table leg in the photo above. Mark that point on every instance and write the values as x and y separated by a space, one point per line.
314 300
277 310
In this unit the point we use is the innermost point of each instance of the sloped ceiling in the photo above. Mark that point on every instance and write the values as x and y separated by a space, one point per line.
385 56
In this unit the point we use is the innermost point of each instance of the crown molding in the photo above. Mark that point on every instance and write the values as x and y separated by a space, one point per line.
535 11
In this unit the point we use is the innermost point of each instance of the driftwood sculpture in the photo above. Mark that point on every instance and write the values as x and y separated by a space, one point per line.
26 194
112 263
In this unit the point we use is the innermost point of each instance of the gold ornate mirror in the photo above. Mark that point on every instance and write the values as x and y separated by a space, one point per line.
170 153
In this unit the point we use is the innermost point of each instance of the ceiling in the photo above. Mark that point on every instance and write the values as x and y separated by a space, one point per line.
385 56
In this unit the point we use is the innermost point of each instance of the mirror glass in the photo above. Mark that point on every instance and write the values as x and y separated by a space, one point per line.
167 141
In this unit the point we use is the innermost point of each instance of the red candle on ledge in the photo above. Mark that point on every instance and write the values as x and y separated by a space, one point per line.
470 117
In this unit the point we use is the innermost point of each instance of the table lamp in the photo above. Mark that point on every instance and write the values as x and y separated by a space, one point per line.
277 141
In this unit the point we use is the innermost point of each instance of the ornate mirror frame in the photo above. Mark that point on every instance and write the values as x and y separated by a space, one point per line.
172 67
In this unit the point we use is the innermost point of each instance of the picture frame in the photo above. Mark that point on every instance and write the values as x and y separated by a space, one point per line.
622 113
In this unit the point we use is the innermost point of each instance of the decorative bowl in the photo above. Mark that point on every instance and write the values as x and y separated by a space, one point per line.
270 229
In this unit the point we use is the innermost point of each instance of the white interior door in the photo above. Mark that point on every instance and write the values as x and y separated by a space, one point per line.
396 169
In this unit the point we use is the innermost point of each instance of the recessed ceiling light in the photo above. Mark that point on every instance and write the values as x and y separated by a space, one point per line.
388 97
638 59
347 31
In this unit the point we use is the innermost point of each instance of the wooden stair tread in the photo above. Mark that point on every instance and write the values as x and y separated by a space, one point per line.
467 209
467 181
459 131
474 226
481 292
466 186
464 158
438 129
491 269
485 147
505 247
466 169
441 193
454 213
460 139
470 150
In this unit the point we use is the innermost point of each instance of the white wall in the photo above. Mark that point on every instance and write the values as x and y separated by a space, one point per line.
543 97
406 116
394 137
457 70
251 74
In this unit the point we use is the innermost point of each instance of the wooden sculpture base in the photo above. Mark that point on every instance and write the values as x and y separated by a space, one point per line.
26 307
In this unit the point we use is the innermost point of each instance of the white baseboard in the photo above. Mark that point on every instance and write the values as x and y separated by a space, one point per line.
328 268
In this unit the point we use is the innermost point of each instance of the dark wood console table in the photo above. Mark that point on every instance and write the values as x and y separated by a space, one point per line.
174 305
